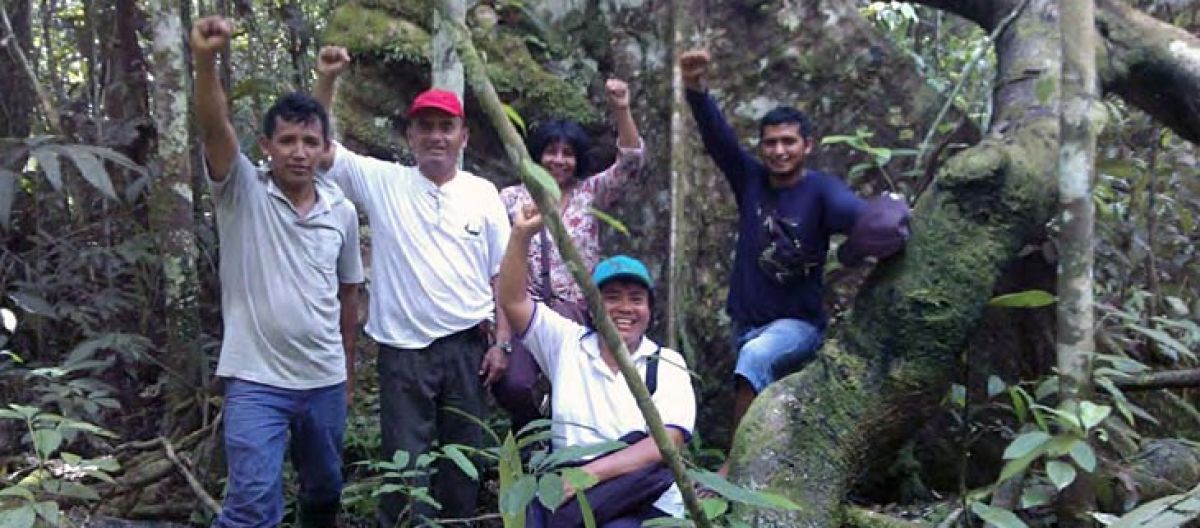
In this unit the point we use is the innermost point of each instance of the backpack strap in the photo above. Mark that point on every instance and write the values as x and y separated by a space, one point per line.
652 370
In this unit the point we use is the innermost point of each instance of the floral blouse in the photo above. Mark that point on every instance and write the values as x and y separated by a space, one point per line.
600 191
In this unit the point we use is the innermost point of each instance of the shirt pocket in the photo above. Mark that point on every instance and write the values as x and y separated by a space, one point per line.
323 246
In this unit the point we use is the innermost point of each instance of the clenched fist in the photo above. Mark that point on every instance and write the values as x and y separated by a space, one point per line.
332 61
617 92
693 66
210 35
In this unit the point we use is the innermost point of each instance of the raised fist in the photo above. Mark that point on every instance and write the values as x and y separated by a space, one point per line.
332 61
210 35
528 220
693 66
617 92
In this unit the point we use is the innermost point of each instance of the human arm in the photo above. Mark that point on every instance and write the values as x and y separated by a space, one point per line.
632 458
842 207
331 62
348 321
610 184
720 141
495 359
512 296
208 37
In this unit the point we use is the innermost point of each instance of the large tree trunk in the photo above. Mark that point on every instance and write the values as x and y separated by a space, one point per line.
171 208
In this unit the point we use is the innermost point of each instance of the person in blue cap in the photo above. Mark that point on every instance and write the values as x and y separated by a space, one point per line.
591 402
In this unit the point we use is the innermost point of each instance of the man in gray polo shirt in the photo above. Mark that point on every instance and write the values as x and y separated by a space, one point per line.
290 269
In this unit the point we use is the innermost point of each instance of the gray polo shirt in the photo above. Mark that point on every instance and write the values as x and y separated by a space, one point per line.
279 280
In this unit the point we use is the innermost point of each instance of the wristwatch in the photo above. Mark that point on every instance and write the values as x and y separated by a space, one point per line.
506 347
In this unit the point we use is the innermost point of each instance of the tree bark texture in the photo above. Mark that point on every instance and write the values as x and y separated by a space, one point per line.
171 205
1076 165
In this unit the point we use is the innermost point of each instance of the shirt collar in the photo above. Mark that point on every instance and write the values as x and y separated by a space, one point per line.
590 342
326 195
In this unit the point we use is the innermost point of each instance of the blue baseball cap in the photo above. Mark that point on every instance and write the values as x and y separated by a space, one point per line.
621 267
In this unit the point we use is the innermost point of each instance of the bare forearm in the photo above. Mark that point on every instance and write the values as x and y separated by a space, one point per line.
349 324
511 295
627 131
632 458
211 110
324 91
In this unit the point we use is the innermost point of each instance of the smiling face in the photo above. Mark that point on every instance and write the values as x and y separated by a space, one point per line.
559 160
628 305
436 139
294 149
783 149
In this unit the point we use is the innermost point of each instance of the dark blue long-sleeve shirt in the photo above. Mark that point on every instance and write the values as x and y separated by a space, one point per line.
819 204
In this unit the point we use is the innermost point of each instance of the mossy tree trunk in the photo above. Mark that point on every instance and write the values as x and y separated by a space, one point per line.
171 210
810 435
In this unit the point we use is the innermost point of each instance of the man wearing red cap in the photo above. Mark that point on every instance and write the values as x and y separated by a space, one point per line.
438 234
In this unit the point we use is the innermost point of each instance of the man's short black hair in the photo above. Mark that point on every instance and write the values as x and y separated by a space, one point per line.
564 130
296 107
783 115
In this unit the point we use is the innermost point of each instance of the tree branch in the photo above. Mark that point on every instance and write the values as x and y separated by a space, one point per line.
1167 379
207 499
53 123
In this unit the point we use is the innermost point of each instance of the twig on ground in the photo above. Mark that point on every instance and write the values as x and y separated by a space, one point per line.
207 499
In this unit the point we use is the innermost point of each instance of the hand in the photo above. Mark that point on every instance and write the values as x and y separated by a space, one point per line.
693 66
495 362
210 35
528 221
332 61
617 92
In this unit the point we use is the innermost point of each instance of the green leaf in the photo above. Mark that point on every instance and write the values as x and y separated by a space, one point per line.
113 156
714 507
541 178
737 493
50 164
995 386
1025 444
454 453
1169 344
24 411
77 491
579 479
514 499
46 441
90 168
1062 444
1061 474
568 454
1018 395
585 508
21 517
1025 299
1046 388
8 194
1084 456
1093 414
958 395
515 117
1015 466
33 304
48 510
424 460
610 220
997 516
550 491
1034 496
670 522
17 491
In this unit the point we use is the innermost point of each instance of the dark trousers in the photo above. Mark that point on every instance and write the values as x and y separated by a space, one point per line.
416 386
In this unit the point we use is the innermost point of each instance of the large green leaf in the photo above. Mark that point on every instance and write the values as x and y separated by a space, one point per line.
1083 455
455 454
48 510
1024 444
90 168
47 441
997 516
737 493
610 220
550 491
1092 414
1061 474
50 164
514 499
22 516
1025 299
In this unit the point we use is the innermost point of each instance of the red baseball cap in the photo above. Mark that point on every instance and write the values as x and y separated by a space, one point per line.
437 99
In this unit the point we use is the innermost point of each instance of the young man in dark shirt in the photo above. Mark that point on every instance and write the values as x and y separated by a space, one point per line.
786 215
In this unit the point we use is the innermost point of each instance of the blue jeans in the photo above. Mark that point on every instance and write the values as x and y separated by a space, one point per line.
769 352
258 420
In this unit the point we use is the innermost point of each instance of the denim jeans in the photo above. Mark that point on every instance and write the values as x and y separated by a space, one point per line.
769 352
259 419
